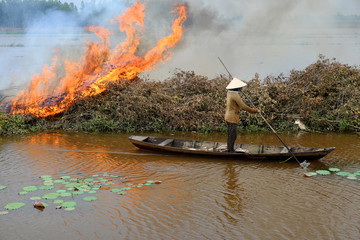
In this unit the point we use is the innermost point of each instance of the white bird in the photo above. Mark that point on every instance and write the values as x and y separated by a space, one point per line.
300 124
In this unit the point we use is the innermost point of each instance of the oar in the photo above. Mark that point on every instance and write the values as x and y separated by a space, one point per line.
304 164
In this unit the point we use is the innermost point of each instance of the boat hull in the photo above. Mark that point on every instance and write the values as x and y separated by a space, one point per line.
218 149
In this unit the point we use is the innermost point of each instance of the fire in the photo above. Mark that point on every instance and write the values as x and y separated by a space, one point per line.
97 67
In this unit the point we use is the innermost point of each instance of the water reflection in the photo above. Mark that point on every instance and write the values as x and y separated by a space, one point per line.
232 195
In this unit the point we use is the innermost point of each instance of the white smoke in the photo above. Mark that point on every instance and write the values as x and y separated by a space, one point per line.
266 37
260 36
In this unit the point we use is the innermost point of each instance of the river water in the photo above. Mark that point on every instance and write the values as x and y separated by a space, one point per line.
197 198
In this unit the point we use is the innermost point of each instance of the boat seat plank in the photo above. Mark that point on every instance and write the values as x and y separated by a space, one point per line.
140 138
166 142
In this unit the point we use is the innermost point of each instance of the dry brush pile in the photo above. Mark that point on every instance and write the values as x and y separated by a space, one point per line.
325 96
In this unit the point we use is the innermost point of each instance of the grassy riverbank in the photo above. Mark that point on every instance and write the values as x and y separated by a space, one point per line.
325 96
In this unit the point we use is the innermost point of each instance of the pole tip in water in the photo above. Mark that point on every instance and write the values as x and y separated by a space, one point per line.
304 164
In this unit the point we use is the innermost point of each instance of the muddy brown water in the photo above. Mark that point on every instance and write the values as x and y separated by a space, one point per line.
198 198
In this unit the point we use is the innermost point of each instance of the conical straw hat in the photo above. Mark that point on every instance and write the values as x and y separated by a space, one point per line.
236 83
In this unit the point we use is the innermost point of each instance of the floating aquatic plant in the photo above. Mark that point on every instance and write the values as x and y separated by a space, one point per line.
48 183
323 172
59 181
344 174
4 212
69 209
115 190
50 195
35 198
65 194
89 198
30 188
310 174
76 186
58 201
61 191
69 204
334 169
352 177
77 192
14 205
46 187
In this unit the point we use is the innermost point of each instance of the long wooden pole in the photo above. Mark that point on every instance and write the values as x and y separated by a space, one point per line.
303 164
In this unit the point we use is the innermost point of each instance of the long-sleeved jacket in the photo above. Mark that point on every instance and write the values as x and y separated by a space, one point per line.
233 105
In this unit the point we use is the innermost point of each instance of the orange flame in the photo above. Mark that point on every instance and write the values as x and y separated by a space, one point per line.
98 66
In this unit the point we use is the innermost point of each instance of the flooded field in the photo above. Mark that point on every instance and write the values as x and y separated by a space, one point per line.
195 198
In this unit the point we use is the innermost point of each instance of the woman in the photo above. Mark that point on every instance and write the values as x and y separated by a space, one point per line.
233 105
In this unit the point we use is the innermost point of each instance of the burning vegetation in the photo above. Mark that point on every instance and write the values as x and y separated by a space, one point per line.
63 82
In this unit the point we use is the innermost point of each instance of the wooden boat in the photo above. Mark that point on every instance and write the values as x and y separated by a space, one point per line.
219 149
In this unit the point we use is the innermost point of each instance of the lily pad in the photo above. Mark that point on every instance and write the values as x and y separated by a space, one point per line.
50 195
22 193
150 181
48 183
46 187
30 188
323 172
2 187
4 212
65 194
58 201
310 174
352 177
92 191
89 198
344 174
69 208
65 177
334 169
77 192
59 181
69 204
35 198
14 205
115 190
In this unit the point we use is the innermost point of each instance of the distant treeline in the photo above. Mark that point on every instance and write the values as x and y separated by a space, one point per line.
19 13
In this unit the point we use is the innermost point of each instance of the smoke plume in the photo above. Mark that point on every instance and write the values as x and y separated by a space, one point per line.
265 37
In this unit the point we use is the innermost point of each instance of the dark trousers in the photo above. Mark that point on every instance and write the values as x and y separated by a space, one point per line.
232 133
